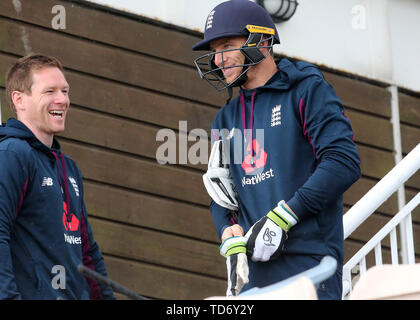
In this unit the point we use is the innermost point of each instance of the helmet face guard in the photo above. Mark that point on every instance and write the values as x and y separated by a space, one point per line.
213 74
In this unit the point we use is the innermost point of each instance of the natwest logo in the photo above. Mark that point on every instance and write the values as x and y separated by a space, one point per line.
73 223
255 157
254 162
72 239
258 178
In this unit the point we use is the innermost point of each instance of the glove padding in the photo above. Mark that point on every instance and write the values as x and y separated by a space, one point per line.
217 179
267 236
234 250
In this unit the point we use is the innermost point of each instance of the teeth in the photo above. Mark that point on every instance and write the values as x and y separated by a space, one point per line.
58 114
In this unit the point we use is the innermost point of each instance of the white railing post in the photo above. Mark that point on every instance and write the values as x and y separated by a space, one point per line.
347 285
396 129
378 254
394 246
408 230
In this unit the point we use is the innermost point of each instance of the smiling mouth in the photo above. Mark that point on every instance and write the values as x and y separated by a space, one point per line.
57 114
228 71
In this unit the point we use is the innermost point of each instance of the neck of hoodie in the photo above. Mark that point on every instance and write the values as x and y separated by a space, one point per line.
45 138
258 75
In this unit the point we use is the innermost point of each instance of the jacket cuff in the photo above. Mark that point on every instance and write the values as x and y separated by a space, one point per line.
297 207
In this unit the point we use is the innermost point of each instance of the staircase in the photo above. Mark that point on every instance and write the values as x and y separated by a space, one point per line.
392 182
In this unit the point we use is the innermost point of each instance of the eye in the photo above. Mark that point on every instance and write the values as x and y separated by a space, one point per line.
227 46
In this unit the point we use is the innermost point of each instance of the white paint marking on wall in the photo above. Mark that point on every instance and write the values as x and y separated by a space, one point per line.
24 34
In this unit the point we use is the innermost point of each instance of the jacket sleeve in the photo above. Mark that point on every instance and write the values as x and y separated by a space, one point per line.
92 256
14 179
93 259
221 217
329 131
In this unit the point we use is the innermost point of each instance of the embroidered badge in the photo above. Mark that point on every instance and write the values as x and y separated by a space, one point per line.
276 116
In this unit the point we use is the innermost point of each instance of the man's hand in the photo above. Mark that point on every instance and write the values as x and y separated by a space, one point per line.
232 231
267 236
234 250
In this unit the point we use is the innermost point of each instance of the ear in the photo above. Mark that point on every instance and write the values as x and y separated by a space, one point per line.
264 41
18 99
264 44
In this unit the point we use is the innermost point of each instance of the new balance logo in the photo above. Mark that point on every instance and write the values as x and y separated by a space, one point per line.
47 182
209 22
276 116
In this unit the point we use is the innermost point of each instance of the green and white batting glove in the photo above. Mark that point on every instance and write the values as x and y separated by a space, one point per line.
267 236
234 250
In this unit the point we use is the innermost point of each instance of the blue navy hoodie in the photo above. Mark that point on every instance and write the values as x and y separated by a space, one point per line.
44 229
302 152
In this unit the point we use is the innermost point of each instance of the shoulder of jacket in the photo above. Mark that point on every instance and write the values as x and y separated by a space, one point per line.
23 152
16 145
310 82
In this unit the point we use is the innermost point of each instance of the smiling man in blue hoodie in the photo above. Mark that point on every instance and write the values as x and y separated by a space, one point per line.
44 228
297 154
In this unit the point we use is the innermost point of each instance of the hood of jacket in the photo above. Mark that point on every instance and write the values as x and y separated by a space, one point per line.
290 73
16 129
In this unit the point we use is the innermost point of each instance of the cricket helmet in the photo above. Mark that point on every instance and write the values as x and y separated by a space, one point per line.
231 19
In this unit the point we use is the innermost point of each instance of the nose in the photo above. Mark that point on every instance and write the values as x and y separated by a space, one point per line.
219 59
61 98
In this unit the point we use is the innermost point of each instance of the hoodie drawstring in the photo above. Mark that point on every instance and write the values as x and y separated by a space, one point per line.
64 185
242 100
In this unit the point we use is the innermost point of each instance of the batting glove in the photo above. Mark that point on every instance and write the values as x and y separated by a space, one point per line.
267 236
217 179
234 250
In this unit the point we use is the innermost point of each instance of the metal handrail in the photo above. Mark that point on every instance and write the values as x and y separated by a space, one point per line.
381 191
368 204
375 244
317 274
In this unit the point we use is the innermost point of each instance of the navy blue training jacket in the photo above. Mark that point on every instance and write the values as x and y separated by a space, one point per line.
302 152
44 227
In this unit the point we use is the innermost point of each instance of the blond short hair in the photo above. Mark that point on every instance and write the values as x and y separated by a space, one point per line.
19 76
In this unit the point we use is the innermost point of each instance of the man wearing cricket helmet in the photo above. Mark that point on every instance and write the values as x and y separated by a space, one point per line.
278 206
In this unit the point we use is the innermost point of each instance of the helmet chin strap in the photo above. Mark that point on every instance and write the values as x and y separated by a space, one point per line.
238 82
252 56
